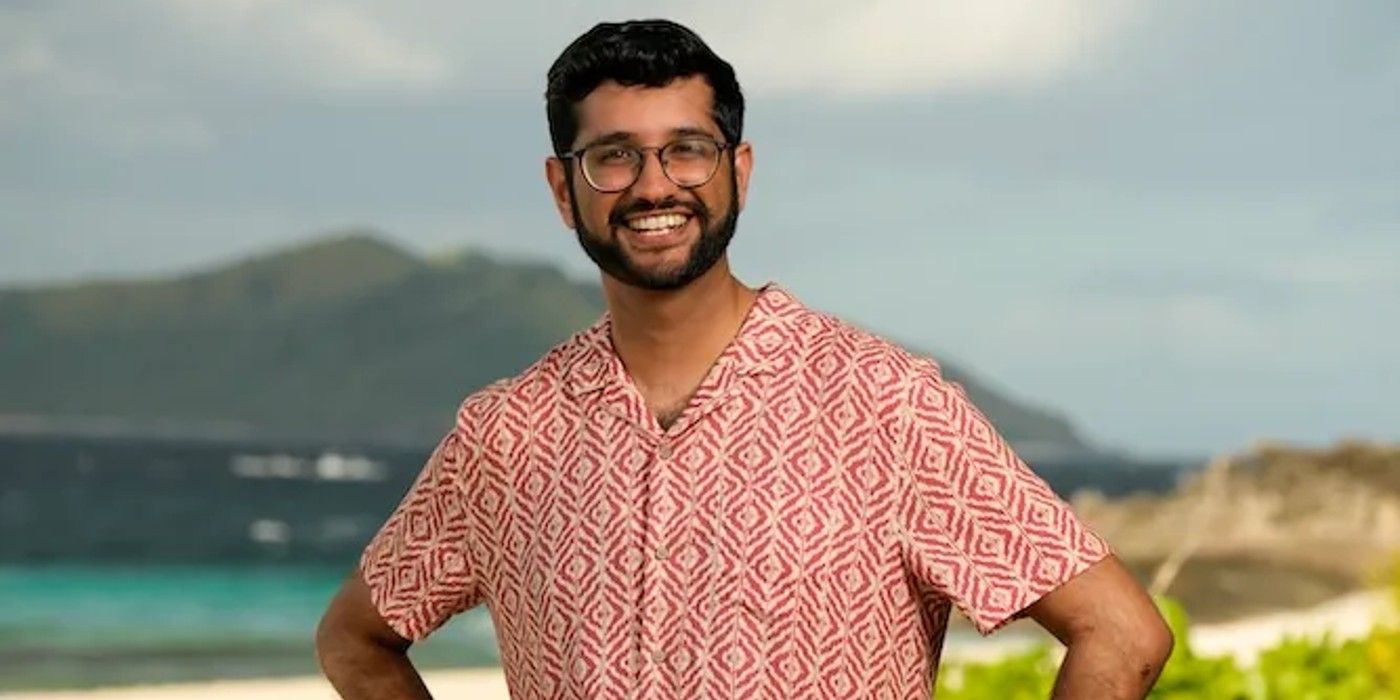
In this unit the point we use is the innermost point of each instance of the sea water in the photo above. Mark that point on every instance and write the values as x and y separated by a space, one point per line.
86 625
127 560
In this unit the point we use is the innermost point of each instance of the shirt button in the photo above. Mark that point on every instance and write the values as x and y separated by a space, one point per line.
661 552
658 656
664 450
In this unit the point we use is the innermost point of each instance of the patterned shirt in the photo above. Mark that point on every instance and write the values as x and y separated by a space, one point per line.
801 530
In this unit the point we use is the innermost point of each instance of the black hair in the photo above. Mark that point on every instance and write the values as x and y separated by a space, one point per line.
651 52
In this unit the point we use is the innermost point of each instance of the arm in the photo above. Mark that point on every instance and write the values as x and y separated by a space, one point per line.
415 574
359 653
986 532
1116 640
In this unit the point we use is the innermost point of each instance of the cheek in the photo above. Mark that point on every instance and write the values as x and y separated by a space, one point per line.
716 197
596 209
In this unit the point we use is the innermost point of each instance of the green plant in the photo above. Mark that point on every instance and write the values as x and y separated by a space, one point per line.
1294 669
1028 675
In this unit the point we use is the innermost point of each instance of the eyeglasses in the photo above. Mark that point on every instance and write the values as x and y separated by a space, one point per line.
611 167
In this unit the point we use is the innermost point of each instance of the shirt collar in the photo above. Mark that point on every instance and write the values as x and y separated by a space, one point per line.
755 349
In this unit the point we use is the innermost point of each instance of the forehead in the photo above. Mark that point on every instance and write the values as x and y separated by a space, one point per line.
649 114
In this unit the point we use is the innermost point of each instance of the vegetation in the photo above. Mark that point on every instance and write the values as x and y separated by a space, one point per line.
1294 669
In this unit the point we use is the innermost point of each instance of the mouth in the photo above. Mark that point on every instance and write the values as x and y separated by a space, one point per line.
656 225
655 231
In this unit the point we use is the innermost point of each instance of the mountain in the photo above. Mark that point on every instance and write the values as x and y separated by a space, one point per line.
348 337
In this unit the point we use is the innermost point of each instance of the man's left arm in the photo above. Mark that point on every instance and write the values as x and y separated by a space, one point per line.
1116 641
983 530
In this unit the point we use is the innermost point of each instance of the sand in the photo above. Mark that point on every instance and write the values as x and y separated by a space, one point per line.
1347 617
474 683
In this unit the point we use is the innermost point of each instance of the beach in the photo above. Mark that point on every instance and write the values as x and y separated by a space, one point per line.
471 683
1345 617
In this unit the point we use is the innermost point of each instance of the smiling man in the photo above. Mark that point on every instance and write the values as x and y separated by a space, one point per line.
715 490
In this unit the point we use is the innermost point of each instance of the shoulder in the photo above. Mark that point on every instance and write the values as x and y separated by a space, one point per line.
831 344
481 411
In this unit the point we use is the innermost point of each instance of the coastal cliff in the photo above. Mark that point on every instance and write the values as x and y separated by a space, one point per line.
1273 526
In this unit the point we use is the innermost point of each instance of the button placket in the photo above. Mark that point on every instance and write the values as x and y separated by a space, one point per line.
650 609
661 515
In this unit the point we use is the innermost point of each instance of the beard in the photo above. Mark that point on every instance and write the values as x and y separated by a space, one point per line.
708 248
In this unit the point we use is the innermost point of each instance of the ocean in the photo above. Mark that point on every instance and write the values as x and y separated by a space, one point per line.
92 625
126 560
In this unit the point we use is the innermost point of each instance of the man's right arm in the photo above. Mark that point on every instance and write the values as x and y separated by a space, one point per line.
361 655
414 574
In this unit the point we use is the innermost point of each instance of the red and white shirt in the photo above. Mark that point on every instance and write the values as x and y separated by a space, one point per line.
801 530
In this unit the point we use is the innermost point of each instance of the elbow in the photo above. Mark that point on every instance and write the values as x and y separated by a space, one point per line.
1157 641
1130 656
345 640
1164 642
325 639
329 640
1152 648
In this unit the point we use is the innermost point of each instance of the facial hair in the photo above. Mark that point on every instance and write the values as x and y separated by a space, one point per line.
709 247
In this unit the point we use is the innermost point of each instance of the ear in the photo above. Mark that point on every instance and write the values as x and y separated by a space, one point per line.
555 175
743 166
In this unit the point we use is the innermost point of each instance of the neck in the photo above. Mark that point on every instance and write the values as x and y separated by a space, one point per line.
666 337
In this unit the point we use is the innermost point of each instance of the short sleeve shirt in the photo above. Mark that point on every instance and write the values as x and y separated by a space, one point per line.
802 530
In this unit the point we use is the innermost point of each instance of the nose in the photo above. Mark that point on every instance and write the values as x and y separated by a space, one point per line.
652 183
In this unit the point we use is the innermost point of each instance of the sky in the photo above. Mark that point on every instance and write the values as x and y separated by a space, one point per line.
1176 222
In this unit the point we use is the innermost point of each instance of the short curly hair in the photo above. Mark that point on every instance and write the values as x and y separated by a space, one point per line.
650 52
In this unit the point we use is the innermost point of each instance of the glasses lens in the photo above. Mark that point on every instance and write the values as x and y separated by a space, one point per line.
690 162
611 168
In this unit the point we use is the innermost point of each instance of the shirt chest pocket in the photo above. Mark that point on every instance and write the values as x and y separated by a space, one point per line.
780 561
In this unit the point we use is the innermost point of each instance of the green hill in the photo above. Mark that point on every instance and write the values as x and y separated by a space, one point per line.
347 338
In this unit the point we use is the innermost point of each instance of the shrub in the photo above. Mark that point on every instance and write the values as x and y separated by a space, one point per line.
1294 669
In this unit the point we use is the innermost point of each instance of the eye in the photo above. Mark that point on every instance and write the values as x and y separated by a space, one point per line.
692 148
613 155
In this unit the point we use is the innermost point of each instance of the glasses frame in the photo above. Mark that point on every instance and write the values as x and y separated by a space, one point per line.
641 151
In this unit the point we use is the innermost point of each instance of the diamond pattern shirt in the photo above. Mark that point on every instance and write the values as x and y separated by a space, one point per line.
802 530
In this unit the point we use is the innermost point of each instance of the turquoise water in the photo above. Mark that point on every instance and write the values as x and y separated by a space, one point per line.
75 626
84 626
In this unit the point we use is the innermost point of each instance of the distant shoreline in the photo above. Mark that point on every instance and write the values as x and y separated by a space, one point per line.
23 425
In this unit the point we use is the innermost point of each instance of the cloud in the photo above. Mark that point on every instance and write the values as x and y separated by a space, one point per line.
162 73
156 75
329 46
894 47
1332 271
23 56
340 46
1205 329
31 66
1274 281
1195 329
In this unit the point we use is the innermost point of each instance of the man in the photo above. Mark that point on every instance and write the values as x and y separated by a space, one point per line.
715 491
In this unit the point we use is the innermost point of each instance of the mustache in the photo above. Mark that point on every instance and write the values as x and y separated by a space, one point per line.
641 206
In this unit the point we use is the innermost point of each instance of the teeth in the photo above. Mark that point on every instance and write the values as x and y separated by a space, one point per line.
652 223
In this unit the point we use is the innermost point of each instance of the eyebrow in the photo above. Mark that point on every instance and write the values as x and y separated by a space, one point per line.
630 137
